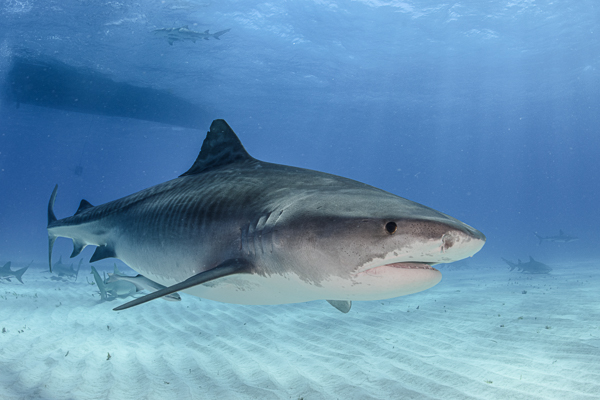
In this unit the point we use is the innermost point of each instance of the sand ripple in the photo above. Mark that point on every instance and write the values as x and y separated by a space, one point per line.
474 336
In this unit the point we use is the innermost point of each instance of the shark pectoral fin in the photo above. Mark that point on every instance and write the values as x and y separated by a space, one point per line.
229 267
342 305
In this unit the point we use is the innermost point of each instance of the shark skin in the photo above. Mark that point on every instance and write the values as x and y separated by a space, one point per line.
185 33
7 273
560 238
238 230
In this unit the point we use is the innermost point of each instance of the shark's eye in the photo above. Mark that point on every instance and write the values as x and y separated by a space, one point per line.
391 227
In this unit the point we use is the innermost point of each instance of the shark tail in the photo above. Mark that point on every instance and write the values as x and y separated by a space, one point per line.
220 33
78 268
51 219
19 273
539 237
99 282
510 264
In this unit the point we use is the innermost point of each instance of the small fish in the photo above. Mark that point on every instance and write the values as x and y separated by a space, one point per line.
185 33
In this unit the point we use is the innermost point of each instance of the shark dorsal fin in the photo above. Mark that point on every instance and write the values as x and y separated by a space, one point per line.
531 259
221 147
84 205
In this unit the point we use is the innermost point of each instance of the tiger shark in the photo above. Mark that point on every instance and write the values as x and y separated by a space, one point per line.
238 230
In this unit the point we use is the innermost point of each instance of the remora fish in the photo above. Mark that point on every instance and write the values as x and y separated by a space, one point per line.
6 273
185 33
560 238
113 290
239 230
140 282
530 267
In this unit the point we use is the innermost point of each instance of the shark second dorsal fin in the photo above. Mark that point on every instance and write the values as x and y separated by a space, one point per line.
221 147
84 205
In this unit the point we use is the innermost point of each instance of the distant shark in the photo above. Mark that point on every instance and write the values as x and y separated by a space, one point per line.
560 238
185 33
141 283
530 267
239 230
6 273
63 270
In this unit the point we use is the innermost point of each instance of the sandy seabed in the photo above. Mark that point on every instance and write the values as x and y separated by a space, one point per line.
476 335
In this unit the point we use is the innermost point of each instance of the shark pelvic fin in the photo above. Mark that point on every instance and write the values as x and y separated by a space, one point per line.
221 147
229 267
342 305
78 247
103 252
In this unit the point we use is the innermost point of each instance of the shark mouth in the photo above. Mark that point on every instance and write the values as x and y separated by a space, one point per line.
401 265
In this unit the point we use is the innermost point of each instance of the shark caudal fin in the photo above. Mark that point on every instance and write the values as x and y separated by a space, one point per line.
51 219
19 273
539 237
220 33
511 265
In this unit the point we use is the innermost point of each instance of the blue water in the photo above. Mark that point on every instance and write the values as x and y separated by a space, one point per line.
487 111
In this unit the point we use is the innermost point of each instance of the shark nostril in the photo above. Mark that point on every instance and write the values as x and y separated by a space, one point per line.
447 241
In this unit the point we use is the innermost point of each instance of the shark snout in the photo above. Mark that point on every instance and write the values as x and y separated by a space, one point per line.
461 241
